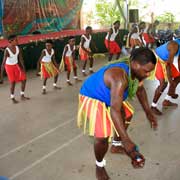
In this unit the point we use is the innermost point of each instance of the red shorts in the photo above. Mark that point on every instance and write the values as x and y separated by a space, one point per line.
148 38
174 71
161 73
15 73
70 63
83 54
113 47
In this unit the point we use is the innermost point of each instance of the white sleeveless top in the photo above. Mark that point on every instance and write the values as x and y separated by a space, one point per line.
113 35
13 58
47 57
69 51
135 36
87 41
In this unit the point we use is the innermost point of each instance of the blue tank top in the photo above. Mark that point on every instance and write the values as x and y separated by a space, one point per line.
163 52
95 87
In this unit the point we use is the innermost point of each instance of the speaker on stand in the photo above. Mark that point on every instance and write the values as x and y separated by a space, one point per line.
133 15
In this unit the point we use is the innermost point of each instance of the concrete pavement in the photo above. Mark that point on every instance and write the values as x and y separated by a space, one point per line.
39 139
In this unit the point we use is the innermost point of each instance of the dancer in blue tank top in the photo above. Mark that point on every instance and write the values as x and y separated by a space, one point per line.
167 70
103 107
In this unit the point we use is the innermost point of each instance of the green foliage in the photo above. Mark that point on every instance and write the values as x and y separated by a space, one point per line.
107 12
167 17
133 3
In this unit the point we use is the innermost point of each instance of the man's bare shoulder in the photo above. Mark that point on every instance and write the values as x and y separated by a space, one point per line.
116 75
172 44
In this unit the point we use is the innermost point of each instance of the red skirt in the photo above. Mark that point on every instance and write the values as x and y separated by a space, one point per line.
113 47
160 70
70 63
94 117
83 54
175 72
15 73
161 73
148 38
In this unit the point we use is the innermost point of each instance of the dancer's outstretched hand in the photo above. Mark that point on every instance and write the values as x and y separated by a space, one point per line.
153 121
138 160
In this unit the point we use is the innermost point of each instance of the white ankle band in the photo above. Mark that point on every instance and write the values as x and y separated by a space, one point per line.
12 96
169 98
44 87
22 93
154 104
83 70
67 80
117 143
75 77
54 84
90 69
101 164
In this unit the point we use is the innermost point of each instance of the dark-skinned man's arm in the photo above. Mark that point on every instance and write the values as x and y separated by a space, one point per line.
109 36
39 63
20 60
143 99
172 48
116 80
6 54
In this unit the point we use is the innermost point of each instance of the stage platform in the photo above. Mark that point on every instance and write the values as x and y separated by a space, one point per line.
40 37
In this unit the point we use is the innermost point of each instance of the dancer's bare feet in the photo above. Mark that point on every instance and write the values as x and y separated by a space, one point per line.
69 83
101 173
14 101
84 74
57 88
44 91
174 96
91 72
117 149
167 103
23 98
78 80
156 111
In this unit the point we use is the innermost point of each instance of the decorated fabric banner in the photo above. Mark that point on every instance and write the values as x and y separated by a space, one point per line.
39 16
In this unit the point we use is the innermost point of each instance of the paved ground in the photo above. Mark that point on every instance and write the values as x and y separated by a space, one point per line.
40 141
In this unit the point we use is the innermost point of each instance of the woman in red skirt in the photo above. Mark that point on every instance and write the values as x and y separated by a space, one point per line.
69 60
14 66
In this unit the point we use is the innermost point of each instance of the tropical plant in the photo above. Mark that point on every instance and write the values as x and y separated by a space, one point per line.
167 17
107 12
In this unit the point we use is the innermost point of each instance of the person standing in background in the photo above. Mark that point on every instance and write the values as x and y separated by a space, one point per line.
14 66
111 41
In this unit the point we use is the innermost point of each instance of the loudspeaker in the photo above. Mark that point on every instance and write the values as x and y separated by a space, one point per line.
133 15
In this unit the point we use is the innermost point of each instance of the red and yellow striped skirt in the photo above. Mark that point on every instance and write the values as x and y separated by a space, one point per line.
95 119
48 70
